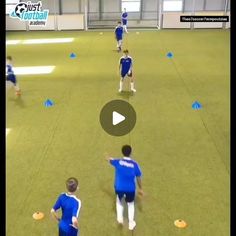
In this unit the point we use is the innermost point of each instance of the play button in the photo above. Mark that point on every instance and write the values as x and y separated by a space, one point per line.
117 117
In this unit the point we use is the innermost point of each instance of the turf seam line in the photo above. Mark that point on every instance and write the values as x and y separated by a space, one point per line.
44 154
191 95
201 118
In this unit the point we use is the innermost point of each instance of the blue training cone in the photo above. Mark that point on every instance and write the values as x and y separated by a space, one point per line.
72 55
169 55
196 105
48 103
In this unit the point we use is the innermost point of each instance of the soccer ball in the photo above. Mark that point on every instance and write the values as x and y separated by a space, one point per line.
20 8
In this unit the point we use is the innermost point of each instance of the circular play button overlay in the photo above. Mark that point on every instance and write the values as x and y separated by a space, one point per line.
117 117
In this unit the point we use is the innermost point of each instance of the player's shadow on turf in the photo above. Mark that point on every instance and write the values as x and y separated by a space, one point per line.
108 192
139 204
115 51
125 94
19 102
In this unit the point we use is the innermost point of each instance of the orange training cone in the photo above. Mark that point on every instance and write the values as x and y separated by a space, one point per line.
180 223
38 215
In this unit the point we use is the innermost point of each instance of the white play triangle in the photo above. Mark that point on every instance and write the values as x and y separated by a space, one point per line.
117 118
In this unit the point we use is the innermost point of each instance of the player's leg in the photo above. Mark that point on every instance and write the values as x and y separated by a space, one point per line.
119 43
119 207
9 85
132 82
130 202
62 233
73 232
121 83
17 89
125 28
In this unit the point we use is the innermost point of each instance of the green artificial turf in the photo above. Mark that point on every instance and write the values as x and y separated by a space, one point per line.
183 153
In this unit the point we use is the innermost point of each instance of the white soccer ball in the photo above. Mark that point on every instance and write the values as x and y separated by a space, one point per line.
21 7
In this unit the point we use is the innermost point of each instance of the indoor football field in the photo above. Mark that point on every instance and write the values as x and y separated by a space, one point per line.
183 152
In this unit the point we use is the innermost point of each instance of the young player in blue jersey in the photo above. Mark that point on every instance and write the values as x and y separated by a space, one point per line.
11 81
124 18
119 35
125 68
126 170
70 206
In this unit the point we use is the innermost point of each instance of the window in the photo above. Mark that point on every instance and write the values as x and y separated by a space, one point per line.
10 5
130 5
172 5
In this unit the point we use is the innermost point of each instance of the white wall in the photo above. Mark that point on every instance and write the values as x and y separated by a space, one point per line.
52 5
111 6
110 11
49 26
150 5
58 22
210 24
204 5
228 23
172 20
70 22
188 7
150 9
71 6
93 5
14 24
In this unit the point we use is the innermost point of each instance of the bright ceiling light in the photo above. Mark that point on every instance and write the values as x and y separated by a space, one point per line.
12 42
44 41
7 131
33 70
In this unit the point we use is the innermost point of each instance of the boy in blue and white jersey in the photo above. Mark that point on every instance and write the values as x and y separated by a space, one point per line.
126 171
70 206
124 18
125 68
11 77
119 35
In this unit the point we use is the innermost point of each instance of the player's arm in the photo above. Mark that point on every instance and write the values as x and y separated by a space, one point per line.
75 215
108 157
139 181
55 215
131 66
55 208
120 66
75 222
114 162
138 174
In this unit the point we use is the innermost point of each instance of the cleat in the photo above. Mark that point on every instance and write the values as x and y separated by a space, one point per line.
18 93
120 222
132 225
133 90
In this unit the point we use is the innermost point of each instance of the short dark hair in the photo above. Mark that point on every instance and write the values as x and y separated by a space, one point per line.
126 150
71 184
126 51
119 22
9 58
